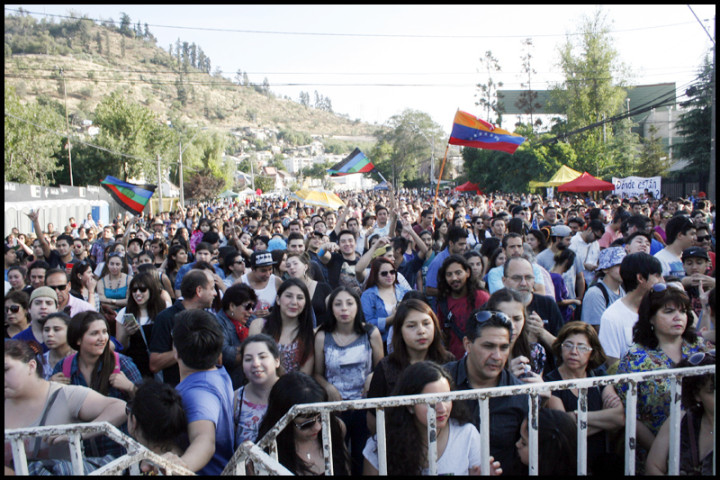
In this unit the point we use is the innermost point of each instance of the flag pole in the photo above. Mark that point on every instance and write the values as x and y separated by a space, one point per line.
437 189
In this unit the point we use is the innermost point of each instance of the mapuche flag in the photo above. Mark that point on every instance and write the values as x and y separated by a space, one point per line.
356 162
470 131
132 198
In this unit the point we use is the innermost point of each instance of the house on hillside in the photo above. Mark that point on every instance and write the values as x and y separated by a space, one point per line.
282 179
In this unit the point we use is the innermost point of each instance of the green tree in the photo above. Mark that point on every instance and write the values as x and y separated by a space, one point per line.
487 95
694 123
132 129
30 144
591 91
653 160
624 146
125 23
407 142
494 170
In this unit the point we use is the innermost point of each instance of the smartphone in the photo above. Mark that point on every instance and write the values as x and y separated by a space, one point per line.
129 320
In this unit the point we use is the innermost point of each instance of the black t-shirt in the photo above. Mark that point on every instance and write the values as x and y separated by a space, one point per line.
548 311
161 339
341 271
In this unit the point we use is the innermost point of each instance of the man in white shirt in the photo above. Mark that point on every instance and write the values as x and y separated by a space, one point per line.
681 235
639 272
586 247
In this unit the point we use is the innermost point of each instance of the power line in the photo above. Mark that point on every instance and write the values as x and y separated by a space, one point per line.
346 34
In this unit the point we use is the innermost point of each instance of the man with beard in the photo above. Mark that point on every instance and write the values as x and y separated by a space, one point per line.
512 245
560 236
341 265
458 297
544 318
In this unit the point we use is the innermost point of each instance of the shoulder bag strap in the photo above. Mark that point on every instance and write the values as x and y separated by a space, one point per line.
49 404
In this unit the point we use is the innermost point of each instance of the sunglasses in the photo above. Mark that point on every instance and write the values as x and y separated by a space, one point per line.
140 289
696 358
486 315
388 272
659 287
308 423
703 238
12 308
249 306
57 287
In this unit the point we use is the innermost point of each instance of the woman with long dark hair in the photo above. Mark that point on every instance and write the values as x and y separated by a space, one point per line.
290 325
299 445
177 257
145 302
662 336
382 295
458 441
346 351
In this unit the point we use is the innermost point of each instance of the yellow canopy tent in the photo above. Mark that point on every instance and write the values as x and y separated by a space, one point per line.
564 175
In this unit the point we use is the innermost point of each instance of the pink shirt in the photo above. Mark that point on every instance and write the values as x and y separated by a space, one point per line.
608 237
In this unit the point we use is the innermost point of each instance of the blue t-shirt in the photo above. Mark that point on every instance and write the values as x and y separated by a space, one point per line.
208 395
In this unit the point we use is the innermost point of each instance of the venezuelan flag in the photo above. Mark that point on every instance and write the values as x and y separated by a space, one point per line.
356 162
132 198
470 131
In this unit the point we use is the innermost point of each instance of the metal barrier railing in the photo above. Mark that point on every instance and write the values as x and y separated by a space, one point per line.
268 464
483 396
135 451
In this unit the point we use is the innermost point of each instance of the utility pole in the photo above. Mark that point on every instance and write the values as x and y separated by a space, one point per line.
67 128
159 174
180 169
711 181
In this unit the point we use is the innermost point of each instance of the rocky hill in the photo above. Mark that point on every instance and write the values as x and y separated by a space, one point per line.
80 61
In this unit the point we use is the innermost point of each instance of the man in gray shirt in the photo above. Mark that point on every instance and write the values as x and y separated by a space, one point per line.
560 240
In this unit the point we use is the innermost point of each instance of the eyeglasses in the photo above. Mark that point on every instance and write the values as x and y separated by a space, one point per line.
12 308
520 278
388 272
249 306
308 423
116 254
486 315
569 346
703 238
696 358
141 289
57 287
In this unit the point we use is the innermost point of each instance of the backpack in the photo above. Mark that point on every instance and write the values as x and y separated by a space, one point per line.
446 317
67 364
604 291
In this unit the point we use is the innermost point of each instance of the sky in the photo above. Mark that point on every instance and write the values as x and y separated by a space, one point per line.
375 61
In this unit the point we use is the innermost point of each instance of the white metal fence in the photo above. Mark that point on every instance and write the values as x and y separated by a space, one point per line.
483 397
269 465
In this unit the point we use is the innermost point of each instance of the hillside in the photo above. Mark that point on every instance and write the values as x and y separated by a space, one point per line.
98 59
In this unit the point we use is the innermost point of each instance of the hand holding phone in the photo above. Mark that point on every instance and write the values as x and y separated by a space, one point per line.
130 323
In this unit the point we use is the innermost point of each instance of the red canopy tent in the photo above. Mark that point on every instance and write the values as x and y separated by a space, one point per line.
469 187
586 183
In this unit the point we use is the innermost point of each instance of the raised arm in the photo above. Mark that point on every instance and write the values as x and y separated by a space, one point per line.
44 243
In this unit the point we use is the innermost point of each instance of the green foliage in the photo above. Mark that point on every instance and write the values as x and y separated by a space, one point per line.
653 160
494 170
132 129
294 138
29 149
407 142
590 92
203 186
694 124
318 170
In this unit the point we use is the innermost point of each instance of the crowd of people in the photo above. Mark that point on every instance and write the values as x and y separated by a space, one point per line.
197 329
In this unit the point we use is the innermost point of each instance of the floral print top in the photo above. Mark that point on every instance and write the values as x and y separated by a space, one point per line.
653 397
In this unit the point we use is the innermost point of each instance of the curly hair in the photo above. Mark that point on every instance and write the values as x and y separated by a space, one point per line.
444 289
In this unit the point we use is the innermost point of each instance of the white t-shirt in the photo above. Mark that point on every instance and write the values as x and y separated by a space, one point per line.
461 453
671 263
616 326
